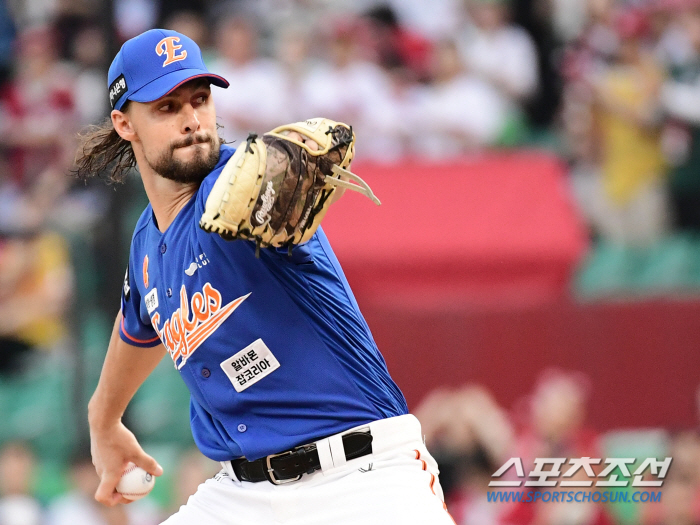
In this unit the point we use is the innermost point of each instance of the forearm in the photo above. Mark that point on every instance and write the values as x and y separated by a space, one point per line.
125 368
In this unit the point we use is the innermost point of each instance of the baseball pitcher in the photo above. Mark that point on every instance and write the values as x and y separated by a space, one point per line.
232 277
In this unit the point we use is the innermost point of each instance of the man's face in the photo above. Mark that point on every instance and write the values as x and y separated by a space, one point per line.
177 133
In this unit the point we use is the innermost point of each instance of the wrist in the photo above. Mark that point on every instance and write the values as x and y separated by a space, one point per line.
99 418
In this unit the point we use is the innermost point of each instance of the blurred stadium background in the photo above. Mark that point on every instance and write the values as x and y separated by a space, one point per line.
532 278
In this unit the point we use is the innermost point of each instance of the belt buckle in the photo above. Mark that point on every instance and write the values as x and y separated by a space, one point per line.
271 471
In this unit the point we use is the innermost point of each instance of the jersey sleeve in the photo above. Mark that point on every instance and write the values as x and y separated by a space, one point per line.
132 329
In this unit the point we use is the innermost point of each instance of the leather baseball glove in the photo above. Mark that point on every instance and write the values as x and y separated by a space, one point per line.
275 190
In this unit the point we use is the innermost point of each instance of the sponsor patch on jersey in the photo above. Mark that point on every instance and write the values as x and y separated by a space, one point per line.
151 300
250 365
199 262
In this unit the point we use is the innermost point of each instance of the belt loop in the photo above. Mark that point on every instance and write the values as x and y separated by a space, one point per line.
337 450
228 467
324 454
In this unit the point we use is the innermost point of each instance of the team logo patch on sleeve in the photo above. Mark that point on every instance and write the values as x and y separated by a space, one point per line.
250 365
127 288
145 271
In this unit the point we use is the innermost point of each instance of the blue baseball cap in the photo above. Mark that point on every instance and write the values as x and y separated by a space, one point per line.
153 64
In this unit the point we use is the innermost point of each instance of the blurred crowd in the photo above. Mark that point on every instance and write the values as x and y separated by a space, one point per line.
612 87
609 85
19 504
629 112
472 437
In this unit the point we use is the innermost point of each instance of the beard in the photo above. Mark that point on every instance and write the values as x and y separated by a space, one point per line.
194 170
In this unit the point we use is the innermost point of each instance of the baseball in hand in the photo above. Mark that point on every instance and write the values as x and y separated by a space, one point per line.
135 482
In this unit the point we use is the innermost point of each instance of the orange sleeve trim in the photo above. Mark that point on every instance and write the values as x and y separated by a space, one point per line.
140 341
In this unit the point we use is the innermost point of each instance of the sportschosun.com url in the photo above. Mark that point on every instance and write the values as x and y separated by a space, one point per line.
570 496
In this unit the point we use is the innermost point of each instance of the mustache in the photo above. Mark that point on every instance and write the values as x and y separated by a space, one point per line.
192 139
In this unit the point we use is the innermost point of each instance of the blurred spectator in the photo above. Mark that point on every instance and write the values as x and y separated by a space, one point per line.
584 58
193 11
71 17
459 112
435 20
471 436
631 205
349 88
556 429
35 285
670 41
680 504
89 54
499 52
33 12
191 24
37 113
568 18
599 39
255 100
292 52
680 98
17 505
557 416
394 46
132 17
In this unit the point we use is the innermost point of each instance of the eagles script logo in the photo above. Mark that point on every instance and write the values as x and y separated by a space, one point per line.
192 323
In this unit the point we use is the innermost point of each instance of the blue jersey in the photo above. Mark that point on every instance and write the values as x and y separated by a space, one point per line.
274 350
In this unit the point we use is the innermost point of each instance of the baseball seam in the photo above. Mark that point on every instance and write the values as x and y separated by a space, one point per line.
131 469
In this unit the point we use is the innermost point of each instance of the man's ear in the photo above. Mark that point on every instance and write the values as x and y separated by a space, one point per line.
122 125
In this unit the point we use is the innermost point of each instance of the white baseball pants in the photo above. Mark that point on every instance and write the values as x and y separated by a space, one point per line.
396 484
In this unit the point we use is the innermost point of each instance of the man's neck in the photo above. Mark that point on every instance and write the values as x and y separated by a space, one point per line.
167 197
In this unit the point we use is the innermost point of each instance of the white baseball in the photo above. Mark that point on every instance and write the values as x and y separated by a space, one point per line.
135 482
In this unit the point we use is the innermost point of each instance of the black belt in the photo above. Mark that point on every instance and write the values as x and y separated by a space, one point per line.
291 465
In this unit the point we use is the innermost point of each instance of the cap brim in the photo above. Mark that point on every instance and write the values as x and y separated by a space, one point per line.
170 82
